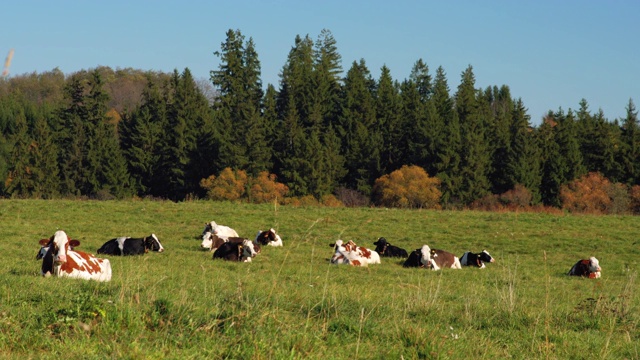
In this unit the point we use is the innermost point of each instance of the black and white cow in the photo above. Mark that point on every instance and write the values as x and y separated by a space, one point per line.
385 249
269 238
587 268
477 260
131 246
234 251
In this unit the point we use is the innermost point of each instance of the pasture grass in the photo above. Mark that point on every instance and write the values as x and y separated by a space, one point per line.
290 303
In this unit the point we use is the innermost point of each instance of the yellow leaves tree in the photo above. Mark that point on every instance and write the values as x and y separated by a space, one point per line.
593 193
265 188
408 187
229 185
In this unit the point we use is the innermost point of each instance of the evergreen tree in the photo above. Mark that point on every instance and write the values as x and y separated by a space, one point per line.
523 158
448 145
21 183
142 136
498 136
476 157
629 155
45 153
389 124
361 144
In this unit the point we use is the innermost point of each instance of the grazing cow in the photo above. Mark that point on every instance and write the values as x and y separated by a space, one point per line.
268 237
61 261
587 268
385 249
131 246
477 260
352 254
234 251
432 258
211 228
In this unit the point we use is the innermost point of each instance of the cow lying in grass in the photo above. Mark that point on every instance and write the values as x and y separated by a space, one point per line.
352 254
61 261
477 260
589 268
385 249
236 251
434 259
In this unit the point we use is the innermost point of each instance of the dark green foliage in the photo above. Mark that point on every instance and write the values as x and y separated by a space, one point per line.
107 133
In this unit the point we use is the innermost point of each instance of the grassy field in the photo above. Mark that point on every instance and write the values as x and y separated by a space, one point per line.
290 303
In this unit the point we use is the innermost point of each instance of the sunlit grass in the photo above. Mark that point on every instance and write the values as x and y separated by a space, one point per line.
291 303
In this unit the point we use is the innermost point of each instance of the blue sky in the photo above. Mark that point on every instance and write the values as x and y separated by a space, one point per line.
550 53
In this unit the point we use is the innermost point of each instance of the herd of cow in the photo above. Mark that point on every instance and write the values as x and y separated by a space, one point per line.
60 257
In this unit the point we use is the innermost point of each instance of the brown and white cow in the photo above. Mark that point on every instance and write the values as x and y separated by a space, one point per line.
61 261
352 254
435 259
587 268
212 228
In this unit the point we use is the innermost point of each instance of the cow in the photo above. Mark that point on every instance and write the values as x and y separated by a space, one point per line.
131 246
385 249
235 251
268 237
352 254
211 228
589 268
435 259
477 260
44 248
61 261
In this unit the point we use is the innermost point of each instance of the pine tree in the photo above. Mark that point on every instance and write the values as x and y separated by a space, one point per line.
45 153
476 157
629 156
20 182
389 123
448 145
523 158
360 141
498 136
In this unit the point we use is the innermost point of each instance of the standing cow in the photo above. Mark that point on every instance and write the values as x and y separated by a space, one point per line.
61 261
587 268
131 246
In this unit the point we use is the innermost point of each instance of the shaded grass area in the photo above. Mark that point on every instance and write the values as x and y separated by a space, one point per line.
291 303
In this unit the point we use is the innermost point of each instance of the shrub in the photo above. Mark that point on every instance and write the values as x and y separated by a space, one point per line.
408 187
229 185
593 193
352 198
264 188
635 199
331 201
518 197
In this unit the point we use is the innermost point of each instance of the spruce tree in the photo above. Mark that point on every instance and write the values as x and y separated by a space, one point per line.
523 158
390 124
21 182
629 156
45 153
476 156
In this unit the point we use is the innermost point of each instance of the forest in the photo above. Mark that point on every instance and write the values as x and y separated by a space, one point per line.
103 133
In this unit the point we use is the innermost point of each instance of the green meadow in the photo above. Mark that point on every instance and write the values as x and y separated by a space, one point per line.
290 303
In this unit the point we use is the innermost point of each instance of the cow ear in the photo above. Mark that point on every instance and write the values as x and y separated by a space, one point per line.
43 242
74 243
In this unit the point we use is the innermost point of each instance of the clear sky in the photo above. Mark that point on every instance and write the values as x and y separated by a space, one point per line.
551 53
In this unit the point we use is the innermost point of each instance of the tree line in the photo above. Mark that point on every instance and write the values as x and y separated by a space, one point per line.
115 134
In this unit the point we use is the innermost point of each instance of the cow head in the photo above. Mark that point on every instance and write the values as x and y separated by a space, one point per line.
248 250
265 237
59 244
425 258
152 243
486 257
381 245
339 257
207 240
594 265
